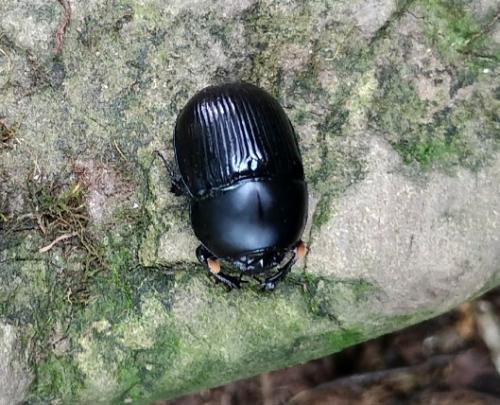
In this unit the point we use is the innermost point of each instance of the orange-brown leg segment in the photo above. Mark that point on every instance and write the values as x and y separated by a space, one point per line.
300 249
213 265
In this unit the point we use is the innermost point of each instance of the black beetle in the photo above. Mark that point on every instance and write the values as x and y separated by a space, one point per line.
238 161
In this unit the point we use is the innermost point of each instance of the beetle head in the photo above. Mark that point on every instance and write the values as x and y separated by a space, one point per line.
261 261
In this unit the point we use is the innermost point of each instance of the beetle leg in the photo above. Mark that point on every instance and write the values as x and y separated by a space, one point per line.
300 249
229 281
270 283
203 254
240 279
212 263
177 187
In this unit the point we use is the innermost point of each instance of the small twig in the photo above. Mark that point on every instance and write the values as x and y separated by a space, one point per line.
489 329
9 65
417 17
39 221
484 30
266 388
120 151
57 240
398 379
63 23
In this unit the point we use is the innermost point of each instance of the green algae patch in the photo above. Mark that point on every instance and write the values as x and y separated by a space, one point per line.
121 355
322 212
432 115
361 99
175 338
122 311
281 334
139 333
193 334
449 138
33 296
58 378
339 300
461 37
272 31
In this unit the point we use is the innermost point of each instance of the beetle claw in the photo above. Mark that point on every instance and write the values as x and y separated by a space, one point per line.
176 186
228 281
214 269
268 286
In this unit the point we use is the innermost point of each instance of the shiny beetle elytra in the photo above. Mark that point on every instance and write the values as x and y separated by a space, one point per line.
238 162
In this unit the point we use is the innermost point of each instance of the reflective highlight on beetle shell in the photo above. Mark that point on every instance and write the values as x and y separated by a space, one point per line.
232 132
252 216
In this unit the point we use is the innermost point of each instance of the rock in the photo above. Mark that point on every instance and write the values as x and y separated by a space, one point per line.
397 114
15 376
418 241
370 16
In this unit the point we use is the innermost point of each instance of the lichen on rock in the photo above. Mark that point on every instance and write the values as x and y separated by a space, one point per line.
396 106
15 376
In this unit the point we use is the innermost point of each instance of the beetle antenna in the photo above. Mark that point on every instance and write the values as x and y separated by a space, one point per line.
164 159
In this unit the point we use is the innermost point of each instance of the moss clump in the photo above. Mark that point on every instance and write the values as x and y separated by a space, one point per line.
462 40
321 214
398 108
427 151
452 137
268 31
454 31
61 213
439 141
345 338
57 377
448 137
337 300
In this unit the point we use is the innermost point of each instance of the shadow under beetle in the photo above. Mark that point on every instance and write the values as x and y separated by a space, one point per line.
238 162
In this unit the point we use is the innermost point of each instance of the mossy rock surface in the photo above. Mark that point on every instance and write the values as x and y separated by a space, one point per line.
397 109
